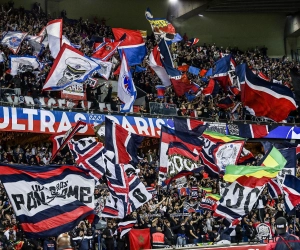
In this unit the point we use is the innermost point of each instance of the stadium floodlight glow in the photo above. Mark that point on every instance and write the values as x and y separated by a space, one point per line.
200 15
173 1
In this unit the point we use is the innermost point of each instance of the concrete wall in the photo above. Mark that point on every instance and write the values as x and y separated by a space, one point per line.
238 29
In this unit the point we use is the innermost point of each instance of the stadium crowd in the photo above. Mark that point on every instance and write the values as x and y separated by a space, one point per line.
177 215
81 32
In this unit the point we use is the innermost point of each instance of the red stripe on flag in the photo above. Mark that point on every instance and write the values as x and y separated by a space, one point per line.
6 170
259 131
252 182
56 221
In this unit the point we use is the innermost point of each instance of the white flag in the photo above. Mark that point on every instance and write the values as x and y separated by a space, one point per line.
126 88
54 33
13 40
69 67
105 69
21 64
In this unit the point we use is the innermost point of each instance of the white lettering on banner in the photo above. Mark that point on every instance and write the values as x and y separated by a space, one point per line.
5 122
47 124
14 121
159 122
64 124
151 127
34 198
142 126
127 125
30 113
81 117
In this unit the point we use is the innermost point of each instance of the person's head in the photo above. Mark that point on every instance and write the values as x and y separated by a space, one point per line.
281 225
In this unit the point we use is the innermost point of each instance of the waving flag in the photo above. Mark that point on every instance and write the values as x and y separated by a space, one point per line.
13 40
226 103
227 153
160 26
105 68
178 148
192 42
180 82
169 135
160 91
139 239
179 163
191 126
266 99
211 89
126 87
156 64
240 197
122 142
210 140
274 189
246 157
54 31
193 70
125 227
273 162
291 162
291 190
138 194
70 66
91 155
22 64
118 186
52 200
222 67
107 49
61 140
37 48
133 46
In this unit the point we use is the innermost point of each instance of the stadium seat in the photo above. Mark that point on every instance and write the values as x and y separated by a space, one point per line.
51 102
101 106
61 103
29 101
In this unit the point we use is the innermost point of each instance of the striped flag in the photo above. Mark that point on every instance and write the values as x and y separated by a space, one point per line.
60 141
122 142
291 189
52 200
192 42
125 227
91 155
240 197
274 189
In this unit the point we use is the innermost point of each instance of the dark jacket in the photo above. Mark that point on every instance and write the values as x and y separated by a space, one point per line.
287 242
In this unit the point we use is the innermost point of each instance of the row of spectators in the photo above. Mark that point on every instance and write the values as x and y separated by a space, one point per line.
80 32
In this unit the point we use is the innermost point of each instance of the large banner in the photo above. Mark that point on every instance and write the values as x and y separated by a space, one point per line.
50 122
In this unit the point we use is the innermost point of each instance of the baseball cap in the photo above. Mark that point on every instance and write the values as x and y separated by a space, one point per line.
280 225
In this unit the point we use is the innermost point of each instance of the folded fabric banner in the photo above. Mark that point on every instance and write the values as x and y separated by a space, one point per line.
52 200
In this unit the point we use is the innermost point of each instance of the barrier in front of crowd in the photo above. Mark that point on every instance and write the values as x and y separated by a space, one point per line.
17 119
224 247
